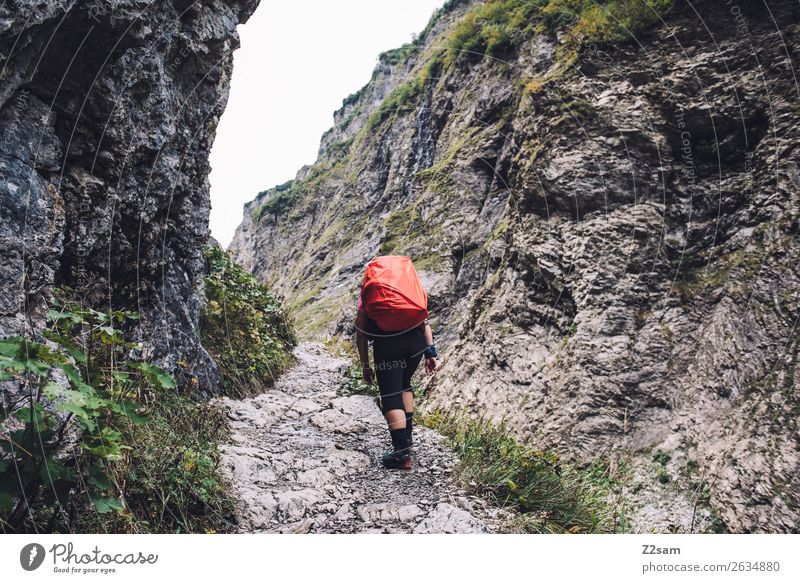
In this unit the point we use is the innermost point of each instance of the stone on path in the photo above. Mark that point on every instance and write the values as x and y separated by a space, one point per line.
304 458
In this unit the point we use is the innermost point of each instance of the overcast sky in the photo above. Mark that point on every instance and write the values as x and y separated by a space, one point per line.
298 60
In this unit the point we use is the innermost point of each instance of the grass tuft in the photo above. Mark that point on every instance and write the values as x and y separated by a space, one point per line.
551 496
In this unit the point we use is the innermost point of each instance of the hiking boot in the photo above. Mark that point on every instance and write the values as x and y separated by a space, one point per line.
397 460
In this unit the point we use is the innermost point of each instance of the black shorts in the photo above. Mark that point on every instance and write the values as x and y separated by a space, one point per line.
396 359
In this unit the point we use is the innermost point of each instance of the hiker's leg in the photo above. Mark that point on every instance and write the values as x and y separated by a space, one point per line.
414 349
408 405
395 419
393 411
390 385
389 367
408 401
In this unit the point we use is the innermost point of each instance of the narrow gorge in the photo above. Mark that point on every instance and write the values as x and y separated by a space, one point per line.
602 200
603 205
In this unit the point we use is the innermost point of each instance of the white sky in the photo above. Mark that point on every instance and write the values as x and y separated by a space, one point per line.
298 60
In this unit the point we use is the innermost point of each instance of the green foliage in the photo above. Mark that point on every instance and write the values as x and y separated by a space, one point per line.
338 150
618 20
243 327
437 15
399 225
497 27
285 196
663 476
403 97
662 457
172 479
353 97
494 28
551 496
354 383
64 432
398 55
734 270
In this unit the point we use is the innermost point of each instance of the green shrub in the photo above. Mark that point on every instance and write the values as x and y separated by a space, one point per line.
283 199
243 327
663 476
551 496
66 434
615 20
493 28
398 55
437 15
497 28
338 150
354 97
173 482
662 457
354 383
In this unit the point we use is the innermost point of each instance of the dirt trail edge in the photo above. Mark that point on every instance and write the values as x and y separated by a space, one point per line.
304 458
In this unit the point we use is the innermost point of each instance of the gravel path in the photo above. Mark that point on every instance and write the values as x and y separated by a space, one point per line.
305 458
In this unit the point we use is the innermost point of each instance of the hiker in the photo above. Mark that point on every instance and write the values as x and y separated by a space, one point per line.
393 312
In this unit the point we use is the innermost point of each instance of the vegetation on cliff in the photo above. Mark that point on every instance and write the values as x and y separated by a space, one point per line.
498 27
97 441
244 327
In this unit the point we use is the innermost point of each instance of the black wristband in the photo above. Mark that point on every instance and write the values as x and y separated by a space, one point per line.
430 351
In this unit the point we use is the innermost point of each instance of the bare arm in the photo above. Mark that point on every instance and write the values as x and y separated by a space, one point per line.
362 344
430 361
428 333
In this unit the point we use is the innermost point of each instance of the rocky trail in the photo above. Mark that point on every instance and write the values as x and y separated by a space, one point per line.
303 457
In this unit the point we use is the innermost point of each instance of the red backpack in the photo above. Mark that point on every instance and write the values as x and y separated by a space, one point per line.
392 294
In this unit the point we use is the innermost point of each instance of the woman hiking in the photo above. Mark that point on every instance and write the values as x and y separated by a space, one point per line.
393 313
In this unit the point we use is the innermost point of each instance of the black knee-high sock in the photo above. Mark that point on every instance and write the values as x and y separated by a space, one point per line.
410 427
399 439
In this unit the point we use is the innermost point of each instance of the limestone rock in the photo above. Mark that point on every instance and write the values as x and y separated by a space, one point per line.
107 114
447 518
298 474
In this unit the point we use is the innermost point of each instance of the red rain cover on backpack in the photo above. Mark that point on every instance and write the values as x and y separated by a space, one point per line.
392 294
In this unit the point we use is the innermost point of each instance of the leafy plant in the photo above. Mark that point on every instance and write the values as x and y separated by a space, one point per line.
280 202
172 476
619 20
61 428
662 457
493 29
354 383
243 327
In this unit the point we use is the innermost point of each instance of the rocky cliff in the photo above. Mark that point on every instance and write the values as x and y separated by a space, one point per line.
108 109
607 221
